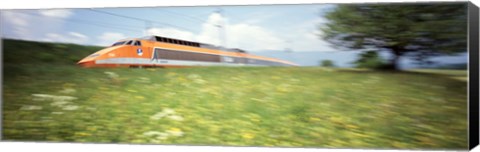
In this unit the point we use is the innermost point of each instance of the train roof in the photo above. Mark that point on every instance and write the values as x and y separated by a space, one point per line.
190 43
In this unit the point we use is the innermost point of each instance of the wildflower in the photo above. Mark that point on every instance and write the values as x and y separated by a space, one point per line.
41 97
175 132
57 113
67 91
59 103
30 107
248 135
130 90
168 111
171 74
70 107
143 80
176 117
157 135
63 98
82 134
158 116
140 97
91 108
199 81
111 74
314 119
193 76
151 133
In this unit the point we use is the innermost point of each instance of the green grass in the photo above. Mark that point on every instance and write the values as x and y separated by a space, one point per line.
236 106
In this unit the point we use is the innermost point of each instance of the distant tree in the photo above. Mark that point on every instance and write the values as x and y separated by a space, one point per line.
417 30
326 63
370 60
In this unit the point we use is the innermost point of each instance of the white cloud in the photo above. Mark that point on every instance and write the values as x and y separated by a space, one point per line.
18 22
172 33
70 37
306 37
109 38
244 36
30 25
60 13
78 35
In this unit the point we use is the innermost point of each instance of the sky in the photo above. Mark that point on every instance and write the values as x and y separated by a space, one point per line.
268 30
254 28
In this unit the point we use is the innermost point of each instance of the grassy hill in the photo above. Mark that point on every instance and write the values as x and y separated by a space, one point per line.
51 99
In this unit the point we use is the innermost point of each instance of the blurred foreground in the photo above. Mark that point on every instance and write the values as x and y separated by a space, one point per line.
54 100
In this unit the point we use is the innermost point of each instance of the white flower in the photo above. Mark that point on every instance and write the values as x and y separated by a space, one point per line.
57 113
91 108
175 117
158 116
152 133
177 133
199 81
143 80
70 107
59 103
168 111
42 95
30 107
193 76
157 135
67 91
111 74
63 98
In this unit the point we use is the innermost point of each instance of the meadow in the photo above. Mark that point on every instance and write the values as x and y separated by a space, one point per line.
46 97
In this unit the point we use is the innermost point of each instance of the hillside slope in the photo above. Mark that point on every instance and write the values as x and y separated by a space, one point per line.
55 100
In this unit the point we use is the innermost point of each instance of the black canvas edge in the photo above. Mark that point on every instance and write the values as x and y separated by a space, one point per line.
473 71
473 66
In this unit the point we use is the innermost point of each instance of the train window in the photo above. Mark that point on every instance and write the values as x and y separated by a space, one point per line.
137 43
129 42
118 43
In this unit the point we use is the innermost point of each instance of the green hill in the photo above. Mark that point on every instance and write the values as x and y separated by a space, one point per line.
49 98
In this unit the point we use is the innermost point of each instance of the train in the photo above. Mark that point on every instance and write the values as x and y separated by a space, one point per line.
158 51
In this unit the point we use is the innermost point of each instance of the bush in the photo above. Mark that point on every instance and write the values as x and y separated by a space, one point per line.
370 60
327 63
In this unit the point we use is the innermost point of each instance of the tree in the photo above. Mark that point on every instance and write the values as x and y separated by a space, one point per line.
326 63
370 60
416 30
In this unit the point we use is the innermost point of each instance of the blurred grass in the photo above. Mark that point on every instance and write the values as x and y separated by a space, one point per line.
237 106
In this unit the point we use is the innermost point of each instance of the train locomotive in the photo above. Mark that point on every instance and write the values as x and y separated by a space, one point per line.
157 51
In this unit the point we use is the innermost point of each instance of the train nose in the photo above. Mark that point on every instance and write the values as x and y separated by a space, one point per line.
89 61
86 64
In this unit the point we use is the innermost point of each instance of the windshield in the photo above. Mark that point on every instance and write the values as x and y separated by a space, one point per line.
118 43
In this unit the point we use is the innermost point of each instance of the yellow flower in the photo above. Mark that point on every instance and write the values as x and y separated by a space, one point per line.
248 135
351 126
140 97
314 119
175 129
175 132
91 128
82 134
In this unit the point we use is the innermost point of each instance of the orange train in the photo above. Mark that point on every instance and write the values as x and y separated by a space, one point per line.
156 51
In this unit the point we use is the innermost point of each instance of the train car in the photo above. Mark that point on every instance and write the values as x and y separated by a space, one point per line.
156 51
